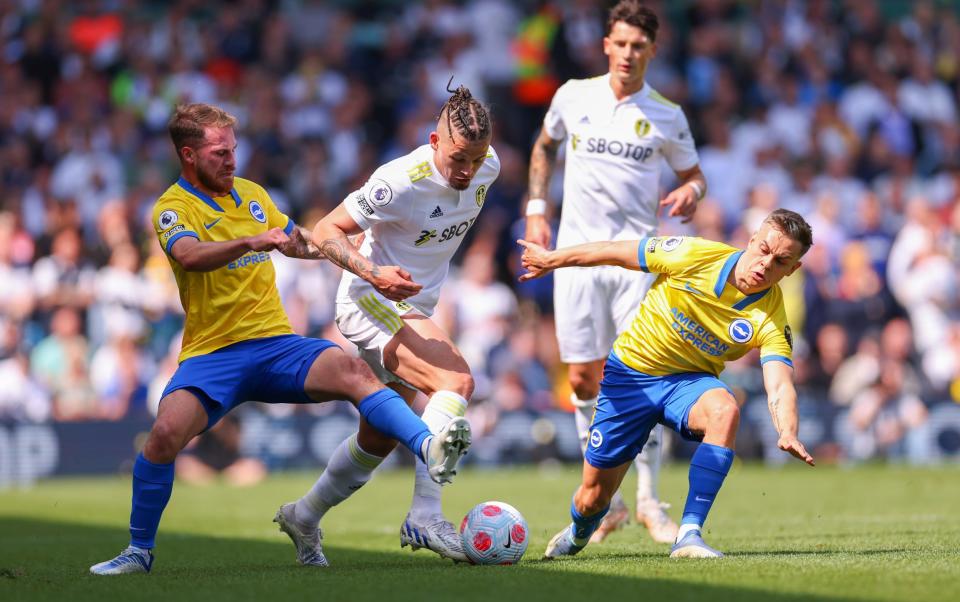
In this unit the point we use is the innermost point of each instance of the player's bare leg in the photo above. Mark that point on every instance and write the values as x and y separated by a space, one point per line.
337 375
179 419
651 512
423 355
590 505
585 381
717 416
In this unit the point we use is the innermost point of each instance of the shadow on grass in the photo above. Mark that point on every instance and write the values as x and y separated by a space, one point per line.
42 560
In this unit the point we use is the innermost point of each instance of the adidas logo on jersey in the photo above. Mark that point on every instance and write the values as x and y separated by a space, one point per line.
438 212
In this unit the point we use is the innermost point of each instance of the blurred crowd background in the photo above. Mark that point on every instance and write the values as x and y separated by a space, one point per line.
843 110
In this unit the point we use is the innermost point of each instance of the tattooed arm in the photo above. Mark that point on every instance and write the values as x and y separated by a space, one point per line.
300 245
782 401
331 236
542 160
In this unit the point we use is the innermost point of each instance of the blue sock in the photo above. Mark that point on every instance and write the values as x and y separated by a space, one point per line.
152 486
584 526
708 467
387 412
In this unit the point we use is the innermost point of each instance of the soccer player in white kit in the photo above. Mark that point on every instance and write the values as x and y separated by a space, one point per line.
414 212
615 129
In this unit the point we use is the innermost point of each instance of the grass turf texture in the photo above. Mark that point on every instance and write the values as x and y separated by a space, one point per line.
871 533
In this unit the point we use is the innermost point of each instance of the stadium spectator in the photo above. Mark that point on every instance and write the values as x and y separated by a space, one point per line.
847 110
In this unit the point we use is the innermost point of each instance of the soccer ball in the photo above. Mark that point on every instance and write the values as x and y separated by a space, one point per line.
494 533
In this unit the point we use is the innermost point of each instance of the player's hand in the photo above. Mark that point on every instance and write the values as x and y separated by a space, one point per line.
394 282
274 238
535 259
792 446
538 230
682 202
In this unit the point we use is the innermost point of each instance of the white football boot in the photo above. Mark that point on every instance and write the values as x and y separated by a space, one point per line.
436 534
308 542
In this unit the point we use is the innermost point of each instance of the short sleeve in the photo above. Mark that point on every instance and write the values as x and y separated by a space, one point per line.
172 221
776 339
680 150
382 198
553 123
666 254
275 217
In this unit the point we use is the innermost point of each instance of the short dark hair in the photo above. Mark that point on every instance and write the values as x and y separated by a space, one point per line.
632 12
466 115
793 226
189 120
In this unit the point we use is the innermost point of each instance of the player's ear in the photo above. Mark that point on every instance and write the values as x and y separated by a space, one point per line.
434 140
606 45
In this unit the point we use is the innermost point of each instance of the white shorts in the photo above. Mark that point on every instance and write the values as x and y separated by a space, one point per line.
594 305
370 323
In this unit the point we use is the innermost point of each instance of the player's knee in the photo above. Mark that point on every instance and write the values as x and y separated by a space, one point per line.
725 415
163 444
460 383
356 378
584 385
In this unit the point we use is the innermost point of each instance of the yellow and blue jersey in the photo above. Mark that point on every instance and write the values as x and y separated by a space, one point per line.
238 301
692 320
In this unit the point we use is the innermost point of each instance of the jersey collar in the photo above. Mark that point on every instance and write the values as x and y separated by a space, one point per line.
728 266
183 183
637 96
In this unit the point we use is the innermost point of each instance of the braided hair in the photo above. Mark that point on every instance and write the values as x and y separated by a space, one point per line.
466 115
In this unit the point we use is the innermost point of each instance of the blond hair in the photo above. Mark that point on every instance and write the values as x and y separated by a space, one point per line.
188 123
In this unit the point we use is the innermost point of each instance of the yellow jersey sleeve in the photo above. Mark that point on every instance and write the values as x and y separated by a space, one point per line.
275 217
172 220
669 255
775 339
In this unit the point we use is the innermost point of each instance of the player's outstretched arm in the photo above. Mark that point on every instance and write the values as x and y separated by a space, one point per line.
539 261
331 234
197 256
782 401
542 160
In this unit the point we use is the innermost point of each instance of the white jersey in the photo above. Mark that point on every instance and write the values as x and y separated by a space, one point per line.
415 220
610 184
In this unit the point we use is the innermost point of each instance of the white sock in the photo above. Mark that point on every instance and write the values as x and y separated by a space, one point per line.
647 464
442 407
583 415
686 528
349 468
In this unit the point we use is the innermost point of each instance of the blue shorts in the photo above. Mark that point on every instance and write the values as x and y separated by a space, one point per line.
272 370
631 403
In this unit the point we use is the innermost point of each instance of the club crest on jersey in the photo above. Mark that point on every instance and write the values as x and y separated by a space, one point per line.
671 243
167 218
257 212
380 193
481 194
596 438
641 127
741 330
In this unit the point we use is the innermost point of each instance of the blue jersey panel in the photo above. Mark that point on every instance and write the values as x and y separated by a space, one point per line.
272 370
631 403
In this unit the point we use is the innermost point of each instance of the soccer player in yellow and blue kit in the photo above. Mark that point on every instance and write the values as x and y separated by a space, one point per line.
711 303
218 231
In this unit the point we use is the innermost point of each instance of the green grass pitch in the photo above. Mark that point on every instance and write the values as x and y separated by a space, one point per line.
870 533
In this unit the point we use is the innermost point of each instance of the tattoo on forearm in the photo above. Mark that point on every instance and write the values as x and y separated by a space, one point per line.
343 254
541 166
774 405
